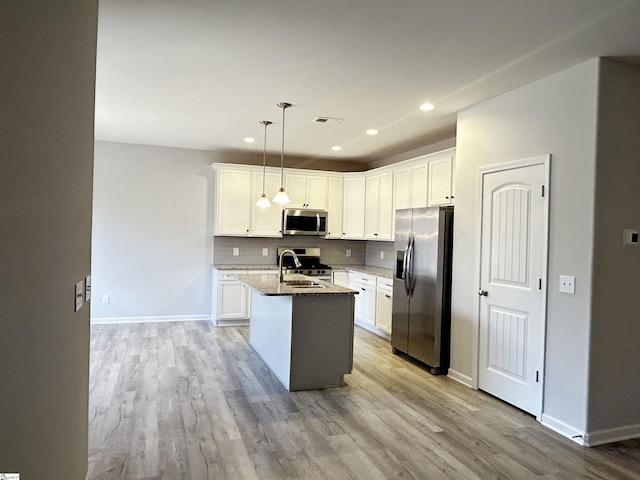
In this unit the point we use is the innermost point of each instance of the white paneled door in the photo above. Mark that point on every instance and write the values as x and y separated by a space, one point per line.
511 285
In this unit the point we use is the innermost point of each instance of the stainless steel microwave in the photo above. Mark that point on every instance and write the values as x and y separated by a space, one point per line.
304 222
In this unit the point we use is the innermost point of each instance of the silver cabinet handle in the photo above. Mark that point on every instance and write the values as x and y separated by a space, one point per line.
482 292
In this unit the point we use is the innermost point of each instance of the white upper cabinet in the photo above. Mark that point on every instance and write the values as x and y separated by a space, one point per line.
335 207
379 212
360 206
236 192
354 207
265 222
307 191
441 181
233 202
411 187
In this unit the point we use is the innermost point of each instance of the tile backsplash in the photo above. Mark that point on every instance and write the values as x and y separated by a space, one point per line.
374 251
333 252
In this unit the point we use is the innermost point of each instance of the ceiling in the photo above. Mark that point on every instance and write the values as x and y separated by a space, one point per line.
203 74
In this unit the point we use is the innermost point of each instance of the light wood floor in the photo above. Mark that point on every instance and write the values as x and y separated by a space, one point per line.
191 401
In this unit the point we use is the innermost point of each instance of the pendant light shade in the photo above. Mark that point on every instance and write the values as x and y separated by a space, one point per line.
281 197
263 201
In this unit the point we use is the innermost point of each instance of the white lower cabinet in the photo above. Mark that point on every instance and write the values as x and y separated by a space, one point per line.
384 302
230 299
343 278
233 300
365 309
373 302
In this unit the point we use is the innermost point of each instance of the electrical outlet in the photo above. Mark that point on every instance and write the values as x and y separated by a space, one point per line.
265 252
381 255
567 284
236 251
348 253
79 295
106 298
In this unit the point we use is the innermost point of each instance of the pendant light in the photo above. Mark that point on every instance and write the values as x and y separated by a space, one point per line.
263 201
281 197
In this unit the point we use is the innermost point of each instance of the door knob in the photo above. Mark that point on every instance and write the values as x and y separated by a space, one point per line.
482 292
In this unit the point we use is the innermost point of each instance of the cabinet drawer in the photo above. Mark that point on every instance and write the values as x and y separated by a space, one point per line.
366 280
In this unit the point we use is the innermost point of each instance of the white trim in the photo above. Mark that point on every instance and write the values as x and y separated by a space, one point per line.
460 378
149 319
482 171
238 322
563 429
610 435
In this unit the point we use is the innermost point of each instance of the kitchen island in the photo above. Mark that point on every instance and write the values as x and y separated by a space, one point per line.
302 330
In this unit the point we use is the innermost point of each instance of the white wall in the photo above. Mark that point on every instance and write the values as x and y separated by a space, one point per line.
47 54
614 393
557 116
152 232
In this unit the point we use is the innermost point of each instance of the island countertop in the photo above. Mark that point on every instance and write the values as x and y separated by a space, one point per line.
267 284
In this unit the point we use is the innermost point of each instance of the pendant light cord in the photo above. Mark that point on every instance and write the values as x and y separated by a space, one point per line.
284 107
264 156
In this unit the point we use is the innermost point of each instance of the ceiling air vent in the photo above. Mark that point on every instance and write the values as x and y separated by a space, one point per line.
327 120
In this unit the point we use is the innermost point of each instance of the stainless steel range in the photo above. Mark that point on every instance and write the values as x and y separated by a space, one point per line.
310 260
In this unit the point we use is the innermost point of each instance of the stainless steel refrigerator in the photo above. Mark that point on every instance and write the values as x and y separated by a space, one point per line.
421 315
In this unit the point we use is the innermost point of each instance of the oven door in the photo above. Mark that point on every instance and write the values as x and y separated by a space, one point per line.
304 222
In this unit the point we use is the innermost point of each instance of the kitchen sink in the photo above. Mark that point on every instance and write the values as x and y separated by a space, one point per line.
303 284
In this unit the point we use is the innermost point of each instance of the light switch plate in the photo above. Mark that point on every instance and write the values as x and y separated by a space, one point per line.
381 255
348 253
265 252
567 284
79 295
87 288
236 251
106 298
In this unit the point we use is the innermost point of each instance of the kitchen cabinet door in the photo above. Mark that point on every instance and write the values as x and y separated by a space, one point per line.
441 182
410 187
317 192
379 212
335 204
266 222
385 208
365 308
233 300
307 191
384 302
233 202
354 207
372 192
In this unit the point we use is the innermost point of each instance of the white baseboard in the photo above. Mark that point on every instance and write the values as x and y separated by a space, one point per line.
149 319
460 377
563 429
372 329
600 437
240 322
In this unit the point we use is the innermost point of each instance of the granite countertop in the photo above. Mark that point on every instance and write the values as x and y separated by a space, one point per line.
267 284
246 267
380 272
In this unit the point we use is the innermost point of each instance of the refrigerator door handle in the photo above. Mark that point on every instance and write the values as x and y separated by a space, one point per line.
405 268
411 282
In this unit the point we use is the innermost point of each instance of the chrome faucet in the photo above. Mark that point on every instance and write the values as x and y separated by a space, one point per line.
295 260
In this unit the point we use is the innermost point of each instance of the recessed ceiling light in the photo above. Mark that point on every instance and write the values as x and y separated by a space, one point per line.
425 107
249 139
372 131
336 148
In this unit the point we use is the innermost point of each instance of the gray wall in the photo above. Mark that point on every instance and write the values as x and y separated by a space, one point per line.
48 76
614 376
152 232
374 249
557 116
